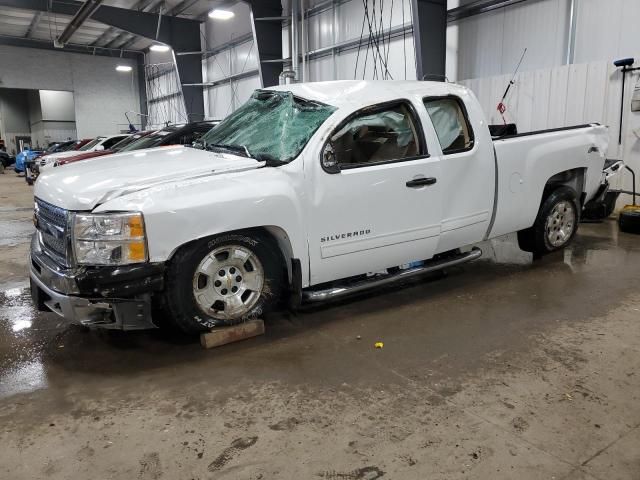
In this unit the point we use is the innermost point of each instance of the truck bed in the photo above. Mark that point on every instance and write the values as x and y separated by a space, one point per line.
527 161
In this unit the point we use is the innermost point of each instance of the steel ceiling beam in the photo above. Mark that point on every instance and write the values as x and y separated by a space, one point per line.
142 5
181 7
182 34
129 39
144 24
85 11
71 47
478 7
33 26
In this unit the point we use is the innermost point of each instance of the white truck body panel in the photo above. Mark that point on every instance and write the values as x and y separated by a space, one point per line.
187 194
526 163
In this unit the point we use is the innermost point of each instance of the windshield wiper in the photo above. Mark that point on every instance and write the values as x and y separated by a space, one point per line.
233 148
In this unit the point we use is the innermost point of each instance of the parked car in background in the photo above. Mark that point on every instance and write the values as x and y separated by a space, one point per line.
97 144
100 153
56 147
185 134
24 156
6 160
309 191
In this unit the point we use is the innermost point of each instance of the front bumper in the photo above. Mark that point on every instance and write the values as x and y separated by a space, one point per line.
109 297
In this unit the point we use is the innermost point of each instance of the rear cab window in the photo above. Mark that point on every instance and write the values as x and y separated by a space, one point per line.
451 123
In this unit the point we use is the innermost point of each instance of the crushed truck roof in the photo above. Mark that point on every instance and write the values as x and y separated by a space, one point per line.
355 93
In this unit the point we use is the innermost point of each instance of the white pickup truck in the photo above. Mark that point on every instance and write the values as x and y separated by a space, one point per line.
307 192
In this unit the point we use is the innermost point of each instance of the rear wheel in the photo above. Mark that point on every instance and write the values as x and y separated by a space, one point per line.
556 223
223 281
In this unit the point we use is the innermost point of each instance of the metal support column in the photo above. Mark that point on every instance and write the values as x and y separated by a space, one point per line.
267 36
430 38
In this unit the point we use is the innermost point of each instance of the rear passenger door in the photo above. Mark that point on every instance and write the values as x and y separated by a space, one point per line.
467 172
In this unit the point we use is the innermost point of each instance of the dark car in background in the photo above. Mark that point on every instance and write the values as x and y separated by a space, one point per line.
185 134
6 160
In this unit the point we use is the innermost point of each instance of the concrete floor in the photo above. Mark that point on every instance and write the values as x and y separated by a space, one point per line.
503 369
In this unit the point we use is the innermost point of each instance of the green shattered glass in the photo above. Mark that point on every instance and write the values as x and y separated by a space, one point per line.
270 126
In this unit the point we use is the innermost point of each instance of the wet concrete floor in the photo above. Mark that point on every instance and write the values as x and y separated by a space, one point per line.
503 369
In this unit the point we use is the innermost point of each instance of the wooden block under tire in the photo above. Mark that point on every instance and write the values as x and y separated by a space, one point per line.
224 335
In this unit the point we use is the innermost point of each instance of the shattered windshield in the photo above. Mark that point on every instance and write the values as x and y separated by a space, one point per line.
272 126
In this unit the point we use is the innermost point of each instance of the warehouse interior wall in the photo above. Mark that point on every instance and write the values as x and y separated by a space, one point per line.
491 43
51 116
101 94
568 95
233 65
14 116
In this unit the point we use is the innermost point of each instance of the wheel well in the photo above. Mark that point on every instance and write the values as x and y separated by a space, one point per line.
573 178
273 233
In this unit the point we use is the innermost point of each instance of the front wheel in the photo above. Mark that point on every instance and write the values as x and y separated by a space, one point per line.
222 281
556 223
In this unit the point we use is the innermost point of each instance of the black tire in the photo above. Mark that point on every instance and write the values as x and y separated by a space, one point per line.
536 238
629 221
183 311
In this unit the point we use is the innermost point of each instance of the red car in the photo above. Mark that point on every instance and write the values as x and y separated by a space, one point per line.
99 153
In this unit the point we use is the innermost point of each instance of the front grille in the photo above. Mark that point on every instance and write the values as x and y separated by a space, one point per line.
51 222
43 162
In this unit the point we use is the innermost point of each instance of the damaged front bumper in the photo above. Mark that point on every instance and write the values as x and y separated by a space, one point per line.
105 297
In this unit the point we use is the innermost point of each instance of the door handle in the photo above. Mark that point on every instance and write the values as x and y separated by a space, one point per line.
421 182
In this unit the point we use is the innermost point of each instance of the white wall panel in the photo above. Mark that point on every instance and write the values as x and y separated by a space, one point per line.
568 95
244 57
244 88
219 101
607 29
492 43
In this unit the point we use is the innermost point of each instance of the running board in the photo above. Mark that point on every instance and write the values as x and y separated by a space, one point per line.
313 296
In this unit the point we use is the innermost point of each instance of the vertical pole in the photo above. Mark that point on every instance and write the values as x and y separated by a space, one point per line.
624 76
303 42
295 14
334 30
571 37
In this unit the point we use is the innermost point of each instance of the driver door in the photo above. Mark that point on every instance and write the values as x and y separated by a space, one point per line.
375 197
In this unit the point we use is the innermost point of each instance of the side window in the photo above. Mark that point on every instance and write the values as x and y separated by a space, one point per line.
450 121
111 142
378 135
186 139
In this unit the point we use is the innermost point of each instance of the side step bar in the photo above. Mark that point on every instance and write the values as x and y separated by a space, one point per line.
313 296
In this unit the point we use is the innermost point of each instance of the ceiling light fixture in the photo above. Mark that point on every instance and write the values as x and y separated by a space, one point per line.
158 47
218 14
123 68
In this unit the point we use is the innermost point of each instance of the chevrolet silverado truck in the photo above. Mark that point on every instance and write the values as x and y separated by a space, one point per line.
306 193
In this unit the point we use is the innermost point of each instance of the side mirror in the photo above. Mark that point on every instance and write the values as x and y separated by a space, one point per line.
99 148
329 161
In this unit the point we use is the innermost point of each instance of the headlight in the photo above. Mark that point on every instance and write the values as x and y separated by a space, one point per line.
109 239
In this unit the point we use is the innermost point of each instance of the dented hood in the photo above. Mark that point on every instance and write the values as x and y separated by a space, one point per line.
84 185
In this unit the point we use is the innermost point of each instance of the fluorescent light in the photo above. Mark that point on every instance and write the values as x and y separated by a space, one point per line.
157 47
221 14
123 68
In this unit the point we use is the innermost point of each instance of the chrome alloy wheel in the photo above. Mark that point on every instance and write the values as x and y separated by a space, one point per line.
228 282
560 224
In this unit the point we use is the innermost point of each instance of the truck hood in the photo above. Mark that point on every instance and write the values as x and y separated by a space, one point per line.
87 184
